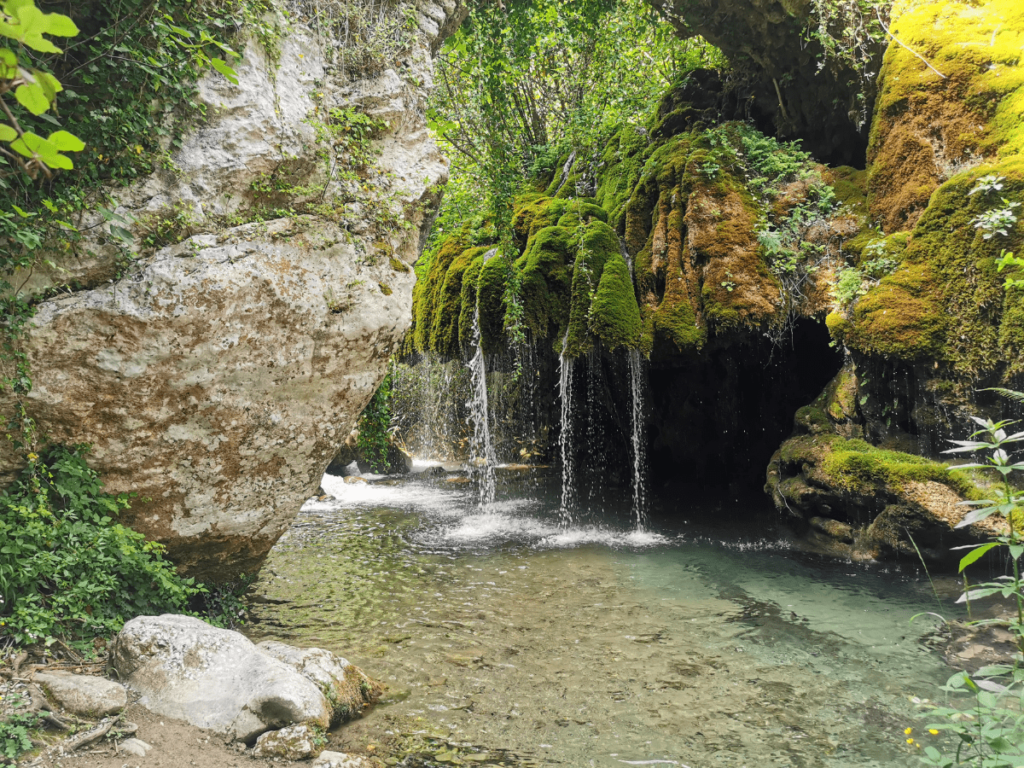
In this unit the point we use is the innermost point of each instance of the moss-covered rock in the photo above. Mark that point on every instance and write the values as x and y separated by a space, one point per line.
615 316
927 127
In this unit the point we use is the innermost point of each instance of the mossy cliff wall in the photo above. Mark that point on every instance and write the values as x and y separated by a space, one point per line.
945 159
945 179
718 223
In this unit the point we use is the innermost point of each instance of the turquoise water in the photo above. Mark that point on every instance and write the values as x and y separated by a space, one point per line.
598 645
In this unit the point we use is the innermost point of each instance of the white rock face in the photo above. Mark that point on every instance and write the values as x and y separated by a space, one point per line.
213 678
84 695
219 375
347 687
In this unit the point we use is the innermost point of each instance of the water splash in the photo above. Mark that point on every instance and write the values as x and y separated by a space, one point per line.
482 458
565 439
637 389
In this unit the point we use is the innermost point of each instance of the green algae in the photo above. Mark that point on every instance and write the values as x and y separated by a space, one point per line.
615 316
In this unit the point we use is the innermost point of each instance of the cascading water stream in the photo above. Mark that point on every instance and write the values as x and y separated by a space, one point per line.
568 503
483 459
637 389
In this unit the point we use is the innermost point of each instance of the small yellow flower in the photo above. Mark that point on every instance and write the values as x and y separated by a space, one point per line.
933 732
32 457
909 731
301 56
910 741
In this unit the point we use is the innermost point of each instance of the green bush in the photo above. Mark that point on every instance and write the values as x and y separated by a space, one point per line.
375 425
67 568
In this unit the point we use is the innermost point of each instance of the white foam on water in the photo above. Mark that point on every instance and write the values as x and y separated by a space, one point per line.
575 537
413 496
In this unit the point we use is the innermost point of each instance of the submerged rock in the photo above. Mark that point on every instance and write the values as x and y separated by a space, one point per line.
213 678
84 695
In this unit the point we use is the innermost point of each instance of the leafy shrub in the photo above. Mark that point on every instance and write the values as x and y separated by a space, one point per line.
67 569
14 735
375 427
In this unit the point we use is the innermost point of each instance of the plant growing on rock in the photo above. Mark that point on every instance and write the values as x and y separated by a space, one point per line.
997 221
989 732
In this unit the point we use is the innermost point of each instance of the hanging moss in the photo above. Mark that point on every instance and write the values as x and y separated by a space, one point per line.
445 330
900 317
428 287
468 299
546 281
621 165
615 316
493 279
577 340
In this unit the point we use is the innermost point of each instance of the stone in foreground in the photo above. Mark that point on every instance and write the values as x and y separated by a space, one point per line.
296 742
342 760
83 695
134 747
213 678
348 689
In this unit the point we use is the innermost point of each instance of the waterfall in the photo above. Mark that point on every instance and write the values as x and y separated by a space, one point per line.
565 437
636 387
482 458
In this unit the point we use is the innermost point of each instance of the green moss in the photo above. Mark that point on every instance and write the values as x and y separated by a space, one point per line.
858 467
577 339
953 270
615 316
546 281
467 301
431 275
1011 330
850 186
900 317
580 212
621 164
974 111
493 279
447 313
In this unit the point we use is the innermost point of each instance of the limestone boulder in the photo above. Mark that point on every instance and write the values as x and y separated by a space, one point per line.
213 678
343 760
348 689
218 370
84 695
296 742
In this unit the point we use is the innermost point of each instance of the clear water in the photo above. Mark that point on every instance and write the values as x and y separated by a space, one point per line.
598 646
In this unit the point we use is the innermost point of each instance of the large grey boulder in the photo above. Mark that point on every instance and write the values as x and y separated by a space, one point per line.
348 689
84 695
213 678
217 373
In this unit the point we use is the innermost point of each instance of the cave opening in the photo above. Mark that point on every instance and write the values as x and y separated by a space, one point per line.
717 419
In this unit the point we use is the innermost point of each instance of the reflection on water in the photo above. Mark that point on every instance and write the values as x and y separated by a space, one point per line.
598 646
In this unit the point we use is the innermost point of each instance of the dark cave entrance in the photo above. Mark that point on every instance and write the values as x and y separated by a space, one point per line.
717 419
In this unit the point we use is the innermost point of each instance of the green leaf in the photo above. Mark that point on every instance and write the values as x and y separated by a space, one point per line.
222 66
32 97
976 554
7 133
66 142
